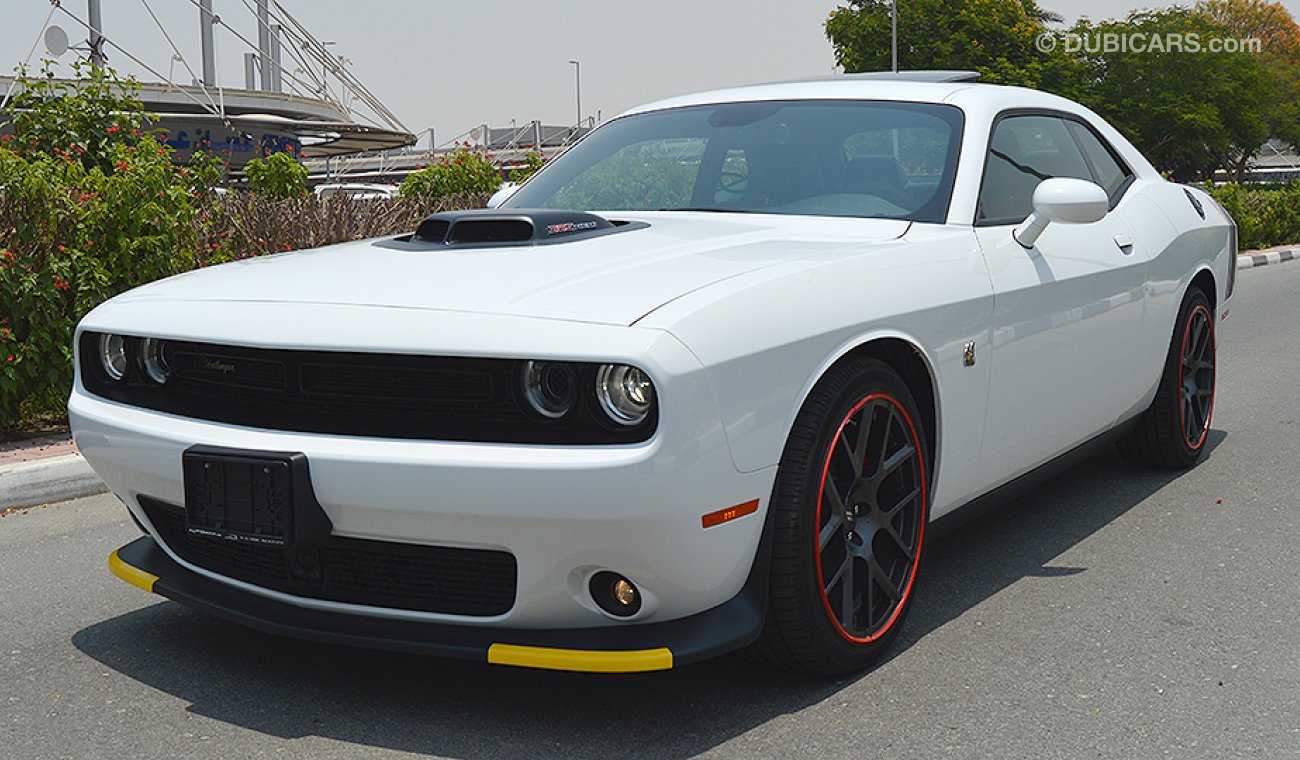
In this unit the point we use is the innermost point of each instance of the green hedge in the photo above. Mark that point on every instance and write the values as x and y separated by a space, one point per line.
1267 215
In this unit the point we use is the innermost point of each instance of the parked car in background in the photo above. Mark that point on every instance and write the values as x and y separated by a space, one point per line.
356 191
702 383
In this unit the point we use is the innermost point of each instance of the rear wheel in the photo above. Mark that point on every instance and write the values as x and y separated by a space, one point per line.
1172 431
849 508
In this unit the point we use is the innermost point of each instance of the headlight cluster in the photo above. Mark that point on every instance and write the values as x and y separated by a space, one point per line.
116 353
624 394
405 396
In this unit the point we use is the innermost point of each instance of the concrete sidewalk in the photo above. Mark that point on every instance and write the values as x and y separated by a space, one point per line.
46 470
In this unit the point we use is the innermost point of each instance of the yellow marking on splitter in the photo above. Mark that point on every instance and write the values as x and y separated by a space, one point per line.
582 660
132 575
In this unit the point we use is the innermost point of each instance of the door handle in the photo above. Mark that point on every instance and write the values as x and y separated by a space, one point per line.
1125 243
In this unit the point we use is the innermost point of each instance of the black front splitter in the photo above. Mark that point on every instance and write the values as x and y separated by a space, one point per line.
630 648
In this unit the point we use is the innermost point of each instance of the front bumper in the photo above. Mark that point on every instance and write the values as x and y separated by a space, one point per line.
565 513
627 649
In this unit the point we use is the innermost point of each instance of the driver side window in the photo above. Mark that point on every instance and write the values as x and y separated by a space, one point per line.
1024 151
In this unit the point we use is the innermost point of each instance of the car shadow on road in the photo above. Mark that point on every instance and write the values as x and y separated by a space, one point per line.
289 689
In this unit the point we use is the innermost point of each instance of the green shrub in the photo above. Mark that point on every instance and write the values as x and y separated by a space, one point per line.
1267 215
279 175
455 173
533 160
57 117
91 206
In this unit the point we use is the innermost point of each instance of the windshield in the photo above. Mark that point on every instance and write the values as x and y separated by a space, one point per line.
821 157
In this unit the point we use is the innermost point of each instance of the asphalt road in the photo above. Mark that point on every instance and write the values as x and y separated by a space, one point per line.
1112 613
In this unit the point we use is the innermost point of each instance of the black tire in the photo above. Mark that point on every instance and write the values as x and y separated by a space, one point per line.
870 540
1172 432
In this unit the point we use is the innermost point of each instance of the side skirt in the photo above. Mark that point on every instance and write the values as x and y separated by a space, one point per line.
982 505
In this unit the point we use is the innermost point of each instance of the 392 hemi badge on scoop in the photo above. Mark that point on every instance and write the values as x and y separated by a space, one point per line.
563 227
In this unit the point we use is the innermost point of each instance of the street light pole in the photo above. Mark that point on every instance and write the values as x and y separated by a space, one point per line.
96 41
893 35
577 78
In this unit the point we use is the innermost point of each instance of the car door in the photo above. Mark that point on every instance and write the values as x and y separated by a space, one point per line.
1067 312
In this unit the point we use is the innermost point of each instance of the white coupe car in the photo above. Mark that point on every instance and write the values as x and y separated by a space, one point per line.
700 384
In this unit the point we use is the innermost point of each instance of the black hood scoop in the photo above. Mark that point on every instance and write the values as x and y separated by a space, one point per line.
516 227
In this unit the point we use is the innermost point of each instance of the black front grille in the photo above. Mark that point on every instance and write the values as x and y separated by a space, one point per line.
448 580
345 393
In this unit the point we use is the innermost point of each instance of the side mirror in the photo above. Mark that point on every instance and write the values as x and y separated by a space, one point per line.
1064 200
502 195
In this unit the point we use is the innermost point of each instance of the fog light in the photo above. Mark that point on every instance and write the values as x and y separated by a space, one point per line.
624 592
615 594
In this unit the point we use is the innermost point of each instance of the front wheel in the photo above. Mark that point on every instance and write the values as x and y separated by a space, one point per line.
1172 431
850 508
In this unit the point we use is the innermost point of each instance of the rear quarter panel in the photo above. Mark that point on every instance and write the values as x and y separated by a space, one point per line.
1181 245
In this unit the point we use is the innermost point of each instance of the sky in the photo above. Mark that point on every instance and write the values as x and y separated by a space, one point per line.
451 66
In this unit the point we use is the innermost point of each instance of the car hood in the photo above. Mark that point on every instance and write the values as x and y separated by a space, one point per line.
611 279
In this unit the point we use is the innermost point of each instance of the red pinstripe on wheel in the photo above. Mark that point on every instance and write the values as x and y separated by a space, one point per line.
908 582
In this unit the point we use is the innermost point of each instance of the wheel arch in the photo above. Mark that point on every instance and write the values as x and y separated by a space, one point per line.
1204 279
903 354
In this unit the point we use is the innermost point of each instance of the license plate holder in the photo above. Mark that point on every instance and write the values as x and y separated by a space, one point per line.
236 497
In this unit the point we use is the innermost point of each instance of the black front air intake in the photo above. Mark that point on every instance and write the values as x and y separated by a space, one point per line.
424 578
488 227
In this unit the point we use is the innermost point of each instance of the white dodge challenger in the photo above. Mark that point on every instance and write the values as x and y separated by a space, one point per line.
702 383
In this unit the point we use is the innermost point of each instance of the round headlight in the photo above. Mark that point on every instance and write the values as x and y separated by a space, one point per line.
112 356
157 359
625 393
551 388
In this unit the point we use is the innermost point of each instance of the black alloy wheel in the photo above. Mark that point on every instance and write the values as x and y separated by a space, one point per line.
850 508
1171 433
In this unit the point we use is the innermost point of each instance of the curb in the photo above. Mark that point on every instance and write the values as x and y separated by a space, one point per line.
46 481
1251 260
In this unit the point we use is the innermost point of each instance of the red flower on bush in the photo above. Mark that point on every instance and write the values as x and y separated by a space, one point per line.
61 284
113 129
123 166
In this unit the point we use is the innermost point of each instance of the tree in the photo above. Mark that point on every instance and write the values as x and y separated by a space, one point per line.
1189 109
1279 38
994 37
